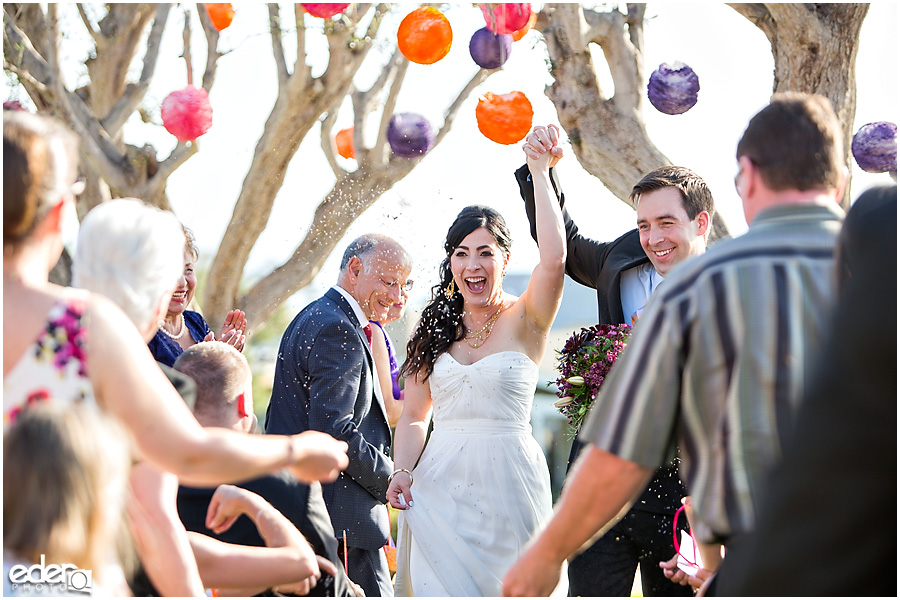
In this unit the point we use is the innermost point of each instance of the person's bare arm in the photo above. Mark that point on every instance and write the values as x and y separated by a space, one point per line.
130 386
409 439
287 561
382 360
161 541
600 487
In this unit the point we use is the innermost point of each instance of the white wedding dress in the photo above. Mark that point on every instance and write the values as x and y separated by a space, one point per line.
482 486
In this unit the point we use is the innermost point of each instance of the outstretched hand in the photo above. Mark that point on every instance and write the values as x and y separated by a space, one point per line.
542 148
232 331
319 457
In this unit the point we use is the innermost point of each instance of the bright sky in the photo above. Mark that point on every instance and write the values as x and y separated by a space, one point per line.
731 57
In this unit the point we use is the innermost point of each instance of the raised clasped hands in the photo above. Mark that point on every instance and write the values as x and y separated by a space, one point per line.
399 493
232 332
542 150
319 457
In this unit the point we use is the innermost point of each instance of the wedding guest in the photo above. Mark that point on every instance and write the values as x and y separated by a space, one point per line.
182 328
386 359
225 399
797 547
65 472
725 368
481 488
143 238
325 381
674 212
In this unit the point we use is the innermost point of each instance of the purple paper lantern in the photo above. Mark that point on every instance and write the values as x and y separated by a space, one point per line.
410 135
490 51
875 147
673 88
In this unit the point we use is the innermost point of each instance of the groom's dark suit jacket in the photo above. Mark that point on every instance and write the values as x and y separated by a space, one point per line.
324 381
600 265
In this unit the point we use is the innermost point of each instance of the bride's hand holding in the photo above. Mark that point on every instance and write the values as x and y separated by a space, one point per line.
541 147
399 493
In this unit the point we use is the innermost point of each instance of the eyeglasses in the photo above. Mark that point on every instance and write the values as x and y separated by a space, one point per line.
405 286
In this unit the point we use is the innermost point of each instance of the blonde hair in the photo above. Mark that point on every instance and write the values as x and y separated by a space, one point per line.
65 474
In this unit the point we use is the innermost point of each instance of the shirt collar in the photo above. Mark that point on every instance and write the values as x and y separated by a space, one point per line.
357 309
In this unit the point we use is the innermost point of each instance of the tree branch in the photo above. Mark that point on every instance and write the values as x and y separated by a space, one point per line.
186 37
758 14
98 40
301 69
328 145
134 93
380 149
212 49
179 154
453 109
27 58
275 33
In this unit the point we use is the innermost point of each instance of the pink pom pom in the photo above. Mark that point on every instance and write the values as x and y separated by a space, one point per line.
506 17
186 113
324 10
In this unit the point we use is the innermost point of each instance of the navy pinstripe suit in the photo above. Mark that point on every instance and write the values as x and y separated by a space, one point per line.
324 381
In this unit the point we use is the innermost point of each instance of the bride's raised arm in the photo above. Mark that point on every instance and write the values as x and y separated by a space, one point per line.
542 297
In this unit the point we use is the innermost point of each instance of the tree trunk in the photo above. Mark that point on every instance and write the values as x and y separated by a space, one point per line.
608 135
814 47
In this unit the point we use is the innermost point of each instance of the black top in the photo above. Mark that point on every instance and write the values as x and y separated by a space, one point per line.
300 503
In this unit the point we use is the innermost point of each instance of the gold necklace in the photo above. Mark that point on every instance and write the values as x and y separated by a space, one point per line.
179 335
481 336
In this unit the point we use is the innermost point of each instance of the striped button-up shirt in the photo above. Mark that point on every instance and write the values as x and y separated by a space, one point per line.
718 361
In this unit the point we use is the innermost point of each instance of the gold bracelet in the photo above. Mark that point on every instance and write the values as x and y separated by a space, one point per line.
401 471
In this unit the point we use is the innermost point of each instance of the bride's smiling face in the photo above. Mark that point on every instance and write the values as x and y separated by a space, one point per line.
477 265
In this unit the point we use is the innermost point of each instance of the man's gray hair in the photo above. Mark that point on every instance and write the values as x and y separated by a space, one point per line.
361 246
130 252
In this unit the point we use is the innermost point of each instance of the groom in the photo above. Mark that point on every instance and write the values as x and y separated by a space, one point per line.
325 380
674 213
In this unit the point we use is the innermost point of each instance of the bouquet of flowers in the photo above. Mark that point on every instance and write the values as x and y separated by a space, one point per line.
583 365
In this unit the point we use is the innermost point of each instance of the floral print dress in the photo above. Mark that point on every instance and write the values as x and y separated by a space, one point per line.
54 367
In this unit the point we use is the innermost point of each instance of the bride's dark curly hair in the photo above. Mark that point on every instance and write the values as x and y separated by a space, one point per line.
441 322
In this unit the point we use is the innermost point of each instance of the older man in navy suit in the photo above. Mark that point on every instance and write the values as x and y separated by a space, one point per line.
325 380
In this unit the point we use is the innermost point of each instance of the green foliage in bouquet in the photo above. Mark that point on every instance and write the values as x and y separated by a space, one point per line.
583 364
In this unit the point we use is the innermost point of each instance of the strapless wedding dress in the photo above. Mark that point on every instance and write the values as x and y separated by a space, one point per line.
482 486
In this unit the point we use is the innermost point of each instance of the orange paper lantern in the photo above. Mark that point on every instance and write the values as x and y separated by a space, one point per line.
424 36
518 35
504 118
221 15
344 142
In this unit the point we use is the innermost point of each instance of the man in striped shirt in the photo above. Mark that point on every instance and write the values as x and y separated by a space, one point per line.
719 359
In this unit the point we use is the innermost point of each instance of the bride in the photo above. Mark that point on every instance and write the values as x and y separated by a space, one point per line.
482 487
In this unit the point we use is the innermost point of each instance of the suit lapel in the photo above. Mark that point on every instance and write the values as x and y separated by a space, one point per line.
351 316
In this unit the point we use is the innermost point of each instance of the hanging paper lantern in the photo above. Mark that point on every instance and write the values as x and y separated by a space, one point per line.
488 50
506 17
504 118
186 113
424 36
220 14
344 142
410 135
875 147
518 35
324 10
673 88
